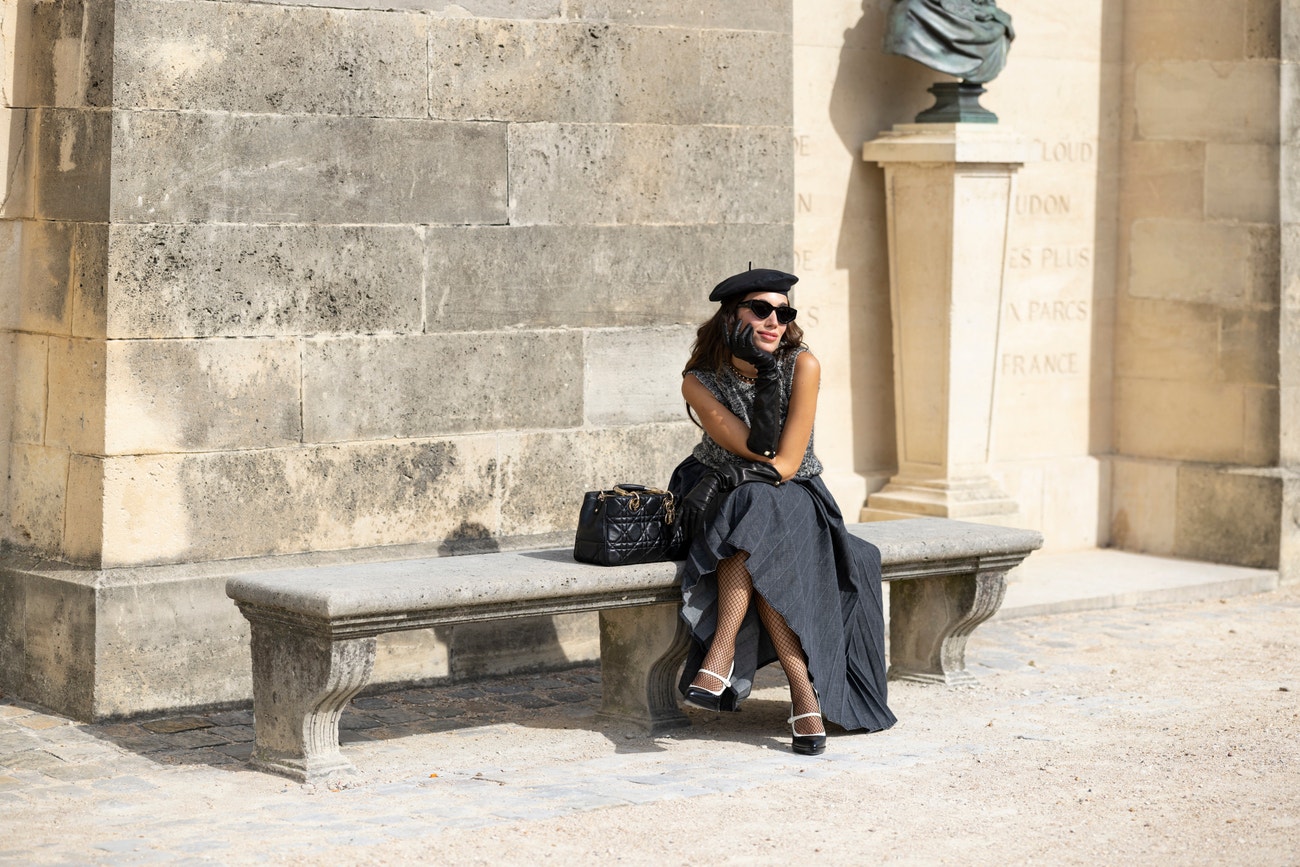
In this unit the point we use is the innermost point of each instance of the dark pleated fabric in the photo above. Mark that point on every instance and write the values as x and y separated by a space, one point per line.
824 582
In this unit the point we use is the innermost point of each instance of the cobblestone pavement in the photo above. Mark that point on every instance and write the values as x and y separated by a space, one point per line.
1184 716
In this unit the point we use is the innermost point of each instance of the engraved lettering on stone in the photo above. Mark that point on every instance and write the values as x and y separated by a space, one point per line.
1056 364
1049 311
805 260
1069 256
1065 151
804 203
803 145
1042 205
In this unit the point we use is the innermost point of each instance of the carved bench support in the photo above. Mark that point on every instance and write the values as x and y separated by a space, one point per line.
301 683
641 649
930 619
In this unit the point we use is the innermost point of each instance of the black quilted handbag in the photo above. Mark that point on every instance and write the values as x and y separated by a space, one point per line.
630 524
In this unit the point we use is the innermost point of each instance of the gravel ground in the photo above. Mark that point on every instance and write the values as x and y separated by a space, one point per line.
1159 735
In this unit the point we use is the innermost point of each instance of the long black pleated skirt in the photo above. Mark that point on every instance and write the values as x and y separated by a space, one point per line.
824 582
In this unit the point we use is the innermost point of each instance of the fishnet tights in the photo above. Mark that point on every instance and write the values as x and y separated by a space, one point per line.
735 590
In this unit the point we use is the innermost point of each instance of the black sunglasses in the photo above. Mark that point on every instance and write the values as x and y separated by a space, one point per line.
763 309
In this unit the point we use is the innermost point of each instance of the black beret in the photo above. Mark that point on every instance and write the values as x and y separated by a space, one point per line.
753 280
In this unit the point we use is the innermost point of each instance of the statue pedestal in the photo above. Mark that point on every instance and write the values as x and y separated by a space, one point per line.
948 197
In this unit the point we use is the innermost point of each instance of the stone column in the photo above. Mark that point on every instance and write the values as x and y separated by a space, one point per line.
948 190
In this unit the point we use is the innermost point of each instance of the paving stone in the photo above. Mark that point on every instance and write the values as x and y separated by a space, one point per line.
175 725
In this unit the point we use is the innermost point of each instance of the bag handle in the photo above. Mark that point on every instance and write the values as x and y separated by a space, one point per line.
634 492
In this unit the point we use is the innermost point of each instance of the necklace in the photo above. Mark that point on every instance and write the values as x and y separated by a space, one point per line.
741 376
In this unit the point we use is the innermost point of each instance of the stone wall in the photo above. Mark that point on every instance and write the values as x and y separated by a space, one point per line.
403 277
1197 425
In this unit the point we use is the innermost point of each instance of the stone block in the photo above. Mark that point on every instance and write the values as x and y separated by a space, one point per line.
83 523
1264 29
545 474
1224 264
70 175
633 376
1056 32
1290 86
1229 515
592 174
1248 347
36 263
38 478
1189 30
380 387
1289 349
47 641
193 54
524 644
88 279
589 276
1289 181
1289 425
77 398
202 395
1163 179
245 281
16 145
1208 101
1158 339
1194 421
29 388
1143 512
1263 433
774 15
569 71
64 53
239 168
182 508
1241 182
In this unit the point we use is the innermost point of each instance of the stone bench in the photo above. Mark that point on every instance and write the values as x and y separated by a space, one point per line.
314 629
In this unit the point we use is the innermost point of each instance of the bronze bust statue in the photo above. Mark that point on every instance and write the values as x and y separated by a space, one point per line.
966 38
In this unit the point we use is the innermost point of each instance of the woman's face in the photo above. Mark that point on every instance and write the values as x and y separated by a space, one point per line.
767 332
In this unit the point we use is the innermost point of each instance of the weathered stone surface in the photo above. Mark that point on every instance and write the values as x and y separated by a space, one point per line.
203 167
1225 264
544 475
1241 182
50 275
175 508
243 281
484 278
38 479
1143 513
1153 418
194 54
1190 30
1209 101
1262 426
1166 340
202 395
412 656
47 641
446 8
1229 515
28 391
374 388
63 53
523 644
1248 347
633 376
83 520
77 399
16 145
585 174
759 15
574 71
70 176
1166 179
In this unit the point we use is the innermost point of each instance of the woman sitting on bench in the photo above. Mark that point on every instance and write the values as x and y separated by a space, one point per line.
771 574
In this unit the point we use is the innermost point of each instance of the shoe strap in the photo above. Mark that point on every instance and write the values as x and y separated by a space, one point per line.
725 681
792 719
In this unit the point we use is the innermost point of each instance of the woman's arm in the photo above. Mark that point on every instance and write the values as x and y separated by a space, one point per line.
731 433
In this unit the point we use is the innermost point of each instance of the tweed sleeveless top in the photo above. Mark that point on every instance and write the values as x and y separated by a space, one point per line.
737 395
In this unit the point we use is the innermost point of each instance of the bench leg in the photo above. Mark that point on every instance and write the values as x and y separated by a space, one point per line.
641 649
301 683
930 619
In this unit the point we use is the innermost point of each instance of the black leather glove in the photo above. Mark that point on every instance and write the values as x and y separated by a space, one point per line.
735 475
765 416
700 504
